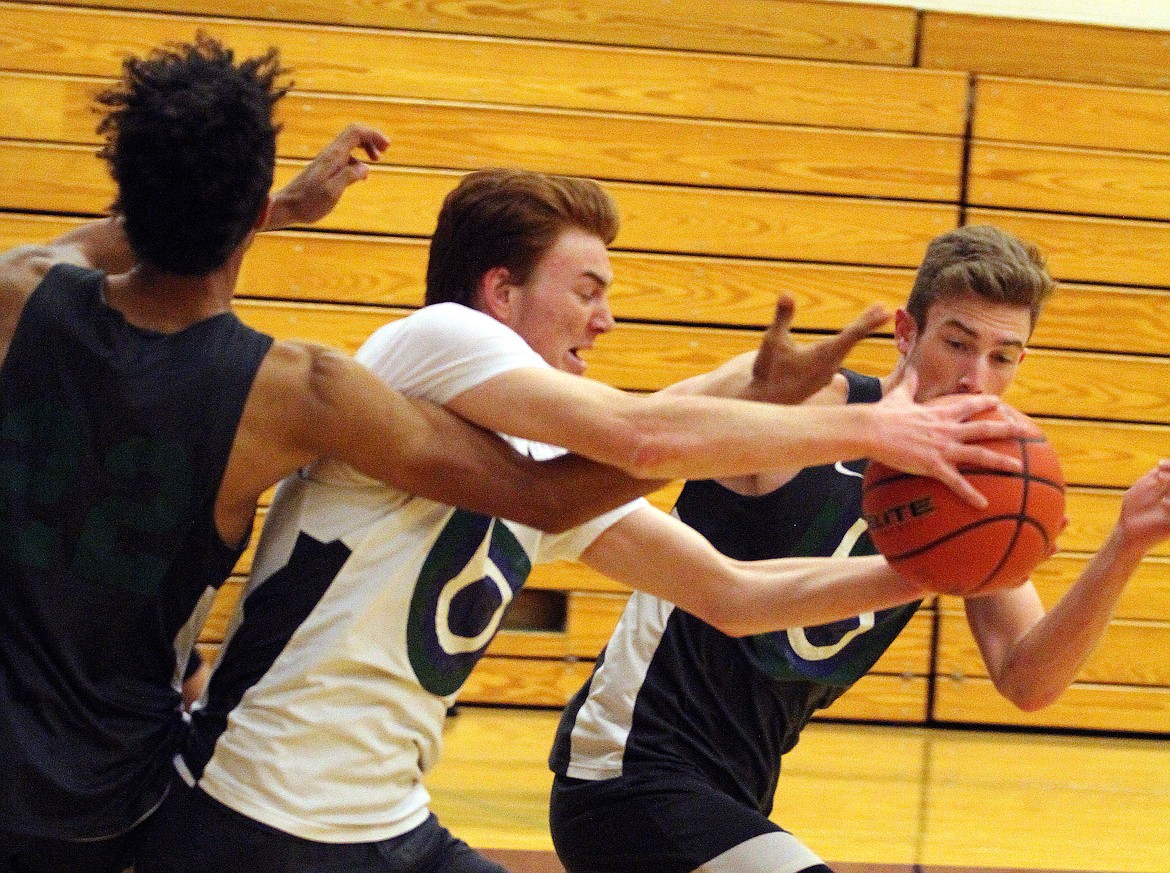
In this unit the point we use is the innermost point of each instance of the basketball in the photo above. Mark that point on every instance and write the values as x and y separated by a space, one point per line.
931 537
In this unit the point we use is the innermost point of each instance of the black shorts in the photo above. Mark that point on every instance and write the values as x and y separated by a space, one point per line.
666 823
20 854
194 833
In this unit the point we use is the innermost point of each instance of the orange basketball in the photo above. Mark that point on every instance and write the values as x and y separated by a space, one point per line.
933 538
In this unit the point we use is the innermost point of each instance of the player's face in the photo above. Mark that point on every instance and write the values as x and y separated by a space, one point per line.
967 346
564 305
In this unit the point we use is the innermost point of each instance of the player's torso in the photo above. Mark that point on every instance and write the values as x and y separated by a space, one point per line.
671 691
113 441
370 610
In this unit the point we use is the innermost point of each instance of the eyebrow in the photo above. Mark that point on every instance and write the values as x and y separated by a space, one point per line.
598 278
971 332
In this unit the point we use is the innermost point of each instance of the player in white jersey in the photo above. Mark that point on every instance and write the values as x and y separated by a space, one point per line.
369 606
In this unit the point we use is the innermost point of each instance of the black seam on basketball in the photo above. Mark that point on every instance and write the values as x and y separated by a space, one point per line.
1015 537
914 553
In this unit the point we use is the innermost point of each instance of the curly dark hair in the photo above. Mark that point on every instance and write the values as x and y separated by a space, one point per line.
191 144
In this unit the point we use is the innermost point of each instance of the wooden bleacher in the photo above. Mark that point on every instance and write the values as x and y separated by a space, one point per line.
754 147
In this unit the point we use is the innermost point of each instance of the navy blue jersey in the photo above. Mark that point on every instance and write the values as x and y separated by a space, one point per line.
113 442
670 691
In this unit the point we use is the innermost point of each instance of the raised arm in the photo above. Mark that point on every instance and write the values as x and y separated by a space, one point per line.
1033 656
781 371
657 553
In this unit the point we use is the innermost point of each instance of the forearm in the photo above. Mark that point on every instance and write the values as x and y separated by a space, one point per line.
700 438
467 466
654 552
805 592
1034 671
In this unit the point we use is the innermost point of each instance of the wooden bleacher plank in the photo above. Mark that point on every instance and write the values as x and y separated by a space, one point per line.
310 266
909 654
91 42
684 151
607 146
1105 453
225 602
1045 49
1109 250
1081 707
1145 598
1069 180
404 201
591 618
1092 512
1134 320
542 682
784 28
49 107
1130 653
1071 114
525 681
878 697
56 178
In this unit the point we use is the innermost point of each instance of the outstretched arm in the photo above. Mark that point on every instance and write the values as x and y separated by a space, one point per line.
1033 656
657 553
309 403
684 437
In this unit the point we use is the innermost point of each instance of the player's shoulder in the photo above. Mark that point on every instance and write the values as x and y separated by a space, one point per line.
297 369
23 268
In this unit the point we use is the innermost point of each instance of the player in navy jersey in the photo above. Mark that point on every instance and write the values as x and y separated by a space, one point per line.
140 421
668 759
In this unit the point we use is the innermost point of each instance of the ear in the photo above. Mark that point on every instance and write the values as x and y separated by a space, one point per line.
496 293
905 331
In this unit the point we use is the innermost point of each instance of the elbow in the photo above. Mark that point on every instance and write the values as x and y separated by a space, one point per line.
646 450
1027 698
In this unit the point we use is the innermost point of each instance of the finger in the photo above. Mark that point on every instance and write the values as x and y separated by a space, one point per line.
982 458
782 317
355 136
356 171
960 407
374 142
965 491
836 347
866 323
990 429
1028 429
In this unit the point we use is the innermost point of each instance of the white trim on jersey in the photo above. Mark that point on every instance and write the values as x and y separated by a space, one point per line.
597 742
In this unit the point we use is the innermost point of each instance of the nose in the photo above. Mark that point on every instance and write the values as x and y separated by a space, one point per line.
975 380
602 320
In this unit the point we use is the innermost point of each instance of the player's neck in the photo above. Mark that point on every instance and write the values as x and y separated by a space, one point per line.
152 300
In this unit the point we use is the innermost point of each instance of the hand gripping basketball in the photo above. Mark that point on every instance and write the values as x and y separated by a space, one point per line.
933 538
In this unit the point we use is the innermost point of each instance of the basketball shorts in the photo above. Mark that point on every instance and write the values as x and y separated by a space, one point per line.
194 833
666 823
